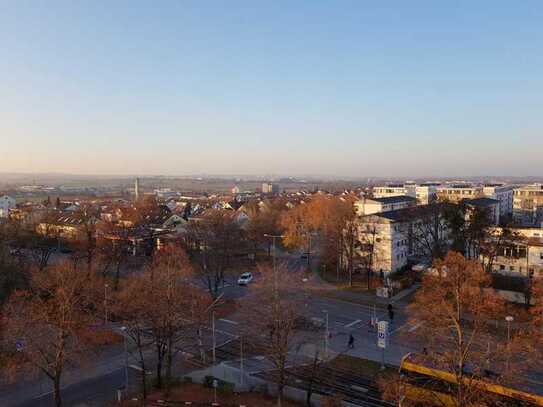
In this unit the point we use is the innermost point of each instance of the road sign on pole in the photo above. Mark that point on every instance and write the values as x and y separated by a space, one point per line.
382 334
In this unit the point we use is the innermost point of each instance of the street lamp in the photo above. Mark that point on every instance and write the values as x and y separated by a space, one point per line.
327 333
123 329
106 286
273 237
509 319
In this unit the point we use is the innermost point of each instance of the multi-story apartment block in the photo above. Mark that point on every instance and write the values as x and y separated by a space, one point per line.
502 193
390 239
528 205
368 206
457 192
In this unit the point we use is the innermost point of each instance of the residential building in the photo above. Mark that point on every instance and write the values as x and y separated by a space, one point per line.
368 206
392 190
7 203
425 193
528 205
492 206
523 256
502 193
455 193
392 239
270 188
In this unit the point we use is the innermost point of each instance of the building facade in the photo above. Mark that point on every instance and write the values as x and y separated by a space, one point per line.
503 194
7 203
528 205
393 239
270 188
457 192
368 206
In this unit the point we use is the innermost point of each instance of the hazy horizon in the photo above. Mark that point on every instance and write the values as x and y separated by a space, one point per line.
342 89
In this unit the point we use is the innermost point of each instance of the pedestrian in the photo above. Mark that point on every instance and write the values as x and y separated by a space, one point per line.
351 341
391 315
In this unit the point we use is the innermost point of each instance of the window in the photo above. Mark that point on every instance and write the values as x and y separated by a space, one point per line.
502 267
541 255
511 268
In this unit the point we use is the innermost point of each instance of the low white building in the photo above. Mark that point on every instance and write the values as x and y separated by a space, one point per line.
6 204
368 206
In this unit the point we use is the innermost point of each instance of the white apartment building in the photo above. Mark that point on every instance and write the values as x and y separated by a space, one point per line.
528 205
458 192
502 193
392 190
424 193
368 206
6 204
394 237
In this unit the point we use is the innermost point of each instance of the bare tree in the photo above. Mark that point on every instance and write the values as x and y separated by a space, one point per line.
47 323
271 318
113 249
455 310
218 237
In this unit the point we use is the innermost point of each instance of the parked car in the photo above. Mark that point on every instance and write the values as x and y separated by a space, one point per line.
245 279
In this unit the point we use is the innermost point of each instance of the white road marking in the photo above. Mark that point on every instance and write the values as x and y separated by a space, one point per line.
353 323
229 321
415 327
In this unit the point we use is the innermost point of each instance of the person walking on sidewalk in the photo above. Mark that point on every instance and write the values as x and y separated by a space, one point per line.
351 341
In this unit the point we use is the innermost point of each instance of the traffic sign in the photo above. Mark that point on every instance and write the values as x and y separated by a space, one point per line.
382 334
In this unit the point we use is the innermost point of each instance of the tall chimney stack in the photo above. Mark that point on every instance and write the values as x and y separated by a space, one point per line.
137 190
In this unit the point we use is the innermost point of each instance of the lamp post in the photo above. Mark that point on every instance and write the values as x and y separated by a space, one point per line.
273 237
123 329
327 333
106 286
509 319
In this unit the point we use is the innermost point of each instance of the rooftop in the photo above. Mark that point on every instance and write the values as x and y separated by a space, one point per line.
394 199
481 201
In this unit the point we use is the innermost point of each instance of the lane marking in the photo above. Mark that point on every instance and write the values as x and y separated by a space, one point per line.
415 327
229 321
353 323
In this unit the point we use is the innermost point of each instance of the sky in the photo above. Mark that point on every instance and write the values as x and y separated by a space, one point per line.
339 88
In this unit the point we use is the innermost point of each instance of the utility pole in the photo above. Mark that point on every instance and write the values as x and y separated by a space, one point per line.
214 339
273 237
327 333
241 359
125 360
106 286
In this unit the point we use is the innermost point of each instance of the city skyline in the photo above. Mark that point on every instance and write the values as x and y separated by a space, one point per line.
342 90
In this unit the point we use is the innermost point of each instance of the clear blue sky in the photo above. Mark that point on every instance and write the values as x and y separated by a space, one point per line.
292 87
